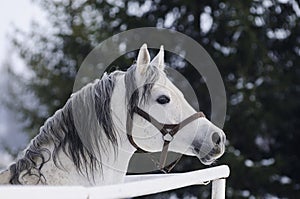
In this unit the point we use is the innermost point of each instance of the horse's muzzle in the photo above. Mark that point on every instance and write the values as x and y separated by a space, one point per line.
208 154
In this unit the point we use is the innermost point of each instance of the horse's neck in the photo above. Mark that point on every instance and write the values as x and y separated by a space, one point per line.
114 160
115 166
113 170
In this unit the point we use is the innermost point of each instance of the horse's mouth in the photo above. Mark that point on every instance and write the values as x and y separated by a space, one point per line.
208 158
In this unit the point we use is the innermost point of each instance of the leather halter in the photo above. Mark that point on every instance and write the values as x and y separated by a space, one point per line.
168 131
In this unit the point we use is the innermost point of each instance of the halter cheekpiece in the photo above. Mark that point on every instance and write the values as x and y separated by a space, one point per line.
168 131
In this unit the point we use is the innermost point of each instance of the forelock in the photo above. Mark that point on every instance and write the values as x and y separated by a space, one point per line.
134 95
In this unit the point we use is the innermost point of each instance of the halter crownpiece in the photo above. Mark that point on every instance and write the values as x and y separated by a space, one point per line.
168 131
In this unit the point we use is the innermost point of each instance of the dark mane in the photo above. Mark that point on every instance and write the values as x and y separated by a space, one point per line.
67 134
74 129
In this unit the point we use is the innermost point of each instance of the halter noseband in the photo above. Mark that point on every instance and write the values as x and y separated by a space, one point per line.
168 131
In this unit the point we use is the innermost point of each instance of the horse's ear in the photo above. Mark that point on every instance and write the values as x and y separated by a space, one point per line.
143 60
158 60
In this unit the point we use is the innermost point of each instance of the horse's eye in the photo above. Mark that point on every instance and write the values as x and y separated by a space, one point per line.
163 99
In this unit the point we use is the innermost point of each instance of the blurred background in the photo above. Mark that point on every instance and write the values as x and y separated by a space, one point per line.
254 43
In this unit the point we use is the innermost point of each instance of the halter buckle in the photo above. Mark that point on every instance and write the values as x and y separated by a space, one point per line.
168 137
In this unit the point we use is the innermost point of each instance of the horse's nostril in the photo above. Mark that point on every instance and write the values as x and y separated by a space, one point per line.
216 138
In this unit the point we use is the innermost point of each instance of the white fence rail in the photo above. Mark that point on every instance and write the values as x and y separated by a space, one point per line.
136 185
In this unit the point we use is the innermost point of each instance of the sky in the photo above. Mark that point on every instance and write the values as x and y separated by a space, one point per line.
19 14
13 13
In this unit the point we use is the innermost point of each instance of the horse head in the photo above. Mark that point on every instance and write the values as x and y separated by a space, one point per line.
161 115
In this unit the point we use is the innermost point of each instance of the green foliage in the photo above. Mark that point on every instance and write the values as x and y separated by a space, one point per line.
256 45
